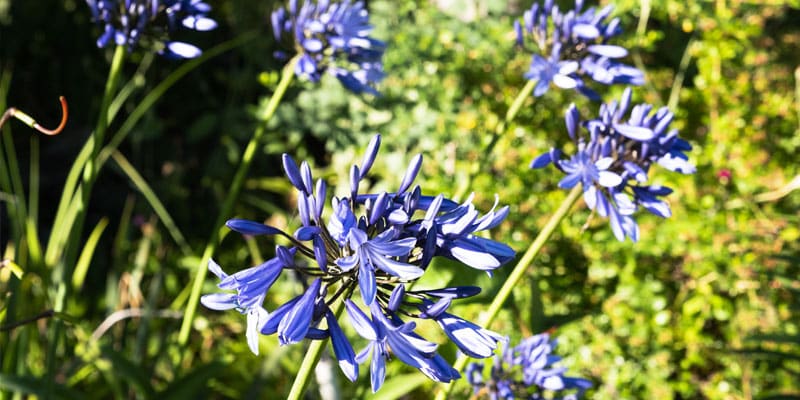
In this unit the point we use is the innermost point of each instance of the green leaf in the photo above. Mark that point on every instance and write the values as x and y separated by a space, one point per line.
82 266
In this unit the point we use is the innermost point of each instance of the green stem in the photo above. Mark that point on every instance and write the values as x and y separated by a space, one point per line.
310 361
233 192
73 203
63 268
102 119
90 171
138 180
500 129
677 83
155 94
519 271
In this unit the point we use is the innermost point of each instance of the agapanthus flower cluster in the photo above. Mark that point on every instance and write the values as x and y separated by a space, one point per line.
149 22
334 38
573 45
613 162
366 252
525 372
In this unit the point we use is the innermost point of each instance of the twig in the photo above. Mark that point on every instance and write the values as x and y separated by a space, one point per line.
44 314
132 313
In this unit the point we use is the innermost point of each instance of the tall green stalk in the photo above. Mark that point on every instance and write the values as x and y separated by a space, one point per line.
500 129
73 203
64 266
519 271
238 179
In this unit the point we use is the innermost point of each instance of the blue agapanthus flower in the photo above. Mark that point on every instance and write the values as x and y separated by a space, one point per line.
526 371
573 45
332 37
613 162
149 22
367 251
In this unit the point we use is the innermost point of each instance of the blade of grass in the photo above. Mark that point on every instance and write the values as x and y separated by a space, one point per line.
152 198
677 84
31 230
498 132
155 94
136 81
82 267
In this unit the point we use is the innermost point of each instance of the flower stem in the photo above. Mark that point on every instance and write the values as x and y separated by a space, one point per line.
73 230
233 193
310 361
498 132
519 271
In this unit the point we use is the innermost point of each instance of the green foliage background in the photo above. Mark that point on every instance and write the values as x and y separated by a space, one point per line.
705 305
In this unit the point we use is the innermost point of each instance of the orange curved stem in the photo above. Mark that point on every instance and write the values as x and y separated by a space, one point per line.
27 120
60 127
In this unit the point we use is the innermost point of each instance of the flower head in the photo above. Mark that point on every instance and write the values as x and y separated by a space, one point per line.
573 45
332 37
613 162
365 252
525 372
149 22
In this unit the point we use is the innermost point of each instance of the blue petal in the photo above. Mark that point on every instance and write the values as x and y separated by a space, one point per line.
378 208
219 301
454 292
342 348
473 255
606 50
255 319
251 228
312 45
305 174
394 248
569 181
473 340
585 31
295 323
396 298
369 156
355 177
609 179
347 263
292 172
271 326
564 81
366 282
182 50
360 321
320 253
436 309
216 269
377 370
542 160
199 23
411 173
305 233
635 132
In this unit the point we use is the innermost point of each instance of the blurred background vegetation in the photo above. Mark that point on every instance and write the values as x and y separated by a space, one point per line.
705 305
